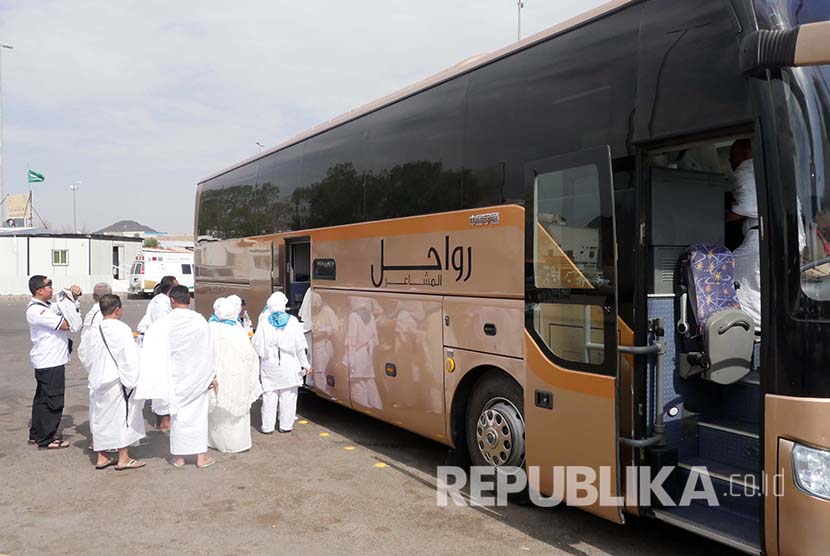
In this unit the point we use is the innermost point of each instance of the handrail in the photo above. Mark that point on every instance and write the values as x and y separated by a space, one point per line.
657 348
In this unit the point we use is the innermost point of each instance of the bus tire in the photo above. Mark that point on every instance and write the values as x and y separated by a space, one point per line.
495 425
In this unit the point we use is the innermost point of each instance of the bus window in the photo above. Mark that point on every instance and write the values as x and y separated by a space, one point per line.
568 257
187 269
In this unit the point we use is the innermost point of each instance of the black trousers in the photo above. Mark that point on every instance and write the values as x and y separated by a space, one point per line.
47 406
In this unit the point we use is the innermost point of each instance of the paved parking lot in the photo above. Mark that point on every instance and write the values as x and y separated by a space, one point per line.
341 483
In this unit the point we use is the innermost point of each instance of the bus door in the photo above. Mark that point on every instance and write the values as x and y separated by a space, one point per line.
571 328
297 271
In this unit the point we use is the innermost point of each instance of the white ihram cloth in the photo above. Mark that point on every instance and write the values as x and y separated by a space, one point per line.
92 318
237 372
283 363
177 367
158 308
115 420
69 309
748 255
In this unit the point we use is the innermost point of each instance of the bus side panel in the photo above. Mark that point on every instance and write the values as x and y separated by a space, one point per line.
329 337
395 346
796 523
578 431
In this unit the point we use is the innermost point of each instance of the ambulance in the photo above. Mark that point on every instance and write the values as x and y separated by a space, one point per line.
151 264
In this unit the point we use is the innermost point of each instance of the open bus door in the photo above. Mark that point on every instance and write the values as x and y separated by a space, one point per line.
571 327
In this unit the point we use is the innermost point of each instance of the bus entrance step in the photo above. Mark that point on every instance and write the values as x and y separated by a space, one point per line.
730 442
717 524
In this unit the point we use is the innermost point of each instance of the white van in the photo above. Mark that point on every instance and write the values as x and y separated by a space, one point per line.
151 264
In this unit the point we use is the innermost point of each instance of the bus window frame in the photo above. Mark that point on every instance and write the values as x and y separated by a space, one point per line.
604 297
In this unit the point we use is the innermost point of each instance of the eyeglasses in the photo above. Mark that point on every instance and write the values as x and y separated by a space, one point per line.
47 284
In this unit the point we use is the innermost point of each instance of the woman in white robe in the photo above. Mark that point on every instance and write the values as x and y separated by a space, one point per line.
280 343
237 370
110 356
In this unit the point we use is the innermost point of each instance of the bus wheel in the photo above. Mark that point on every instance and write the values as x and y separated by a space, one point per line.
495 423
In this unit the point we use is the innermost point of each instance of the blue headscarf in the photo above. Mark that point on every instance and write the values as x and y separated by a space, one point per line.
214 318
224 311
279 319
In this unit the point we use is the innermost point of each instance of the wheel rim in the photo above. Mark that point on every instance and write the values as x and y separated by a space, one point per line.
500 433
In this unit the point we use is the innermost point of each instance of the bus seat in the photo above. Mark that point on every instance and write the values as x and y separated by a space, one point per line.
717 335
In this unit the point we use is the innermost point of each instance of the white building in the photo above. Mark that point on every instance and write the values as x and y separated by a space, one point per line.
82 259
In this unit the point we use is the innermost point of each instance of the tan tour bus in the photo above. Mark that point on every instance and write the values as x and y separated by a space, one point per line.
528 258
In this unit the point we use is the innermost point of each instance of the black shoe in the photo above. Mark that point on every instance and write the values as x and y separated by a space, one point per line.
284 432
269 432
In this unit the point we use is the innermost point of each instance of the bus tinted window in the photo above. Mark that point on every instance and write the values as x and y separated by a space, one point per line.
231 205
414 154
279 178
331 190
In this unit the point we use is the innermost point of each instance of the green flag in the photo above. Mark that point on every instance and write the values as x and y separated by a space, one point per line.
34 177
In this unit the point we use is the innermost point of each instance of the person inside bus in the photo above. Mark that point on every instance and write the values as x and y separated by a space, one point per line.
745 209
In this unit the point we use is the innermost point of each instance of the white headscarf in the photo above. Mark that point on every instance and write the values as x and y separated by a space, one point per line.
236 301
277 302
225 309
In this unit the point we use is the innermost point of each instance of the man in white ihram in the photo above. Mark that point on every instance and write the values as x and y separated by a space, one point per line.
158 307
237 369
280 343
110 356
177 367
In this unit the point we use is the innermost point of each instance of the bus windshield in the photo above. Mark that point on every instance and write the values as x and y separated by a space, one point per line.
807 96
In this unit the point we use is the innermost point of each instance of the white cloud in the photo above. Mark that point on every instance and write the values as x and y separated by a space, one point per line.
141 99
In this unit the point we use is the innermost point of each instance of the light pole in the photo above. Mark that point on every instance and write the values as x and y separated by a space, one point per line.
74 187
3 207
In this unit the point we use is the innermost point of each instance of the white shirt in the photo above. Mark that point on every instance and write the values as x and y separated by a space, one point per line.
746 200
50 346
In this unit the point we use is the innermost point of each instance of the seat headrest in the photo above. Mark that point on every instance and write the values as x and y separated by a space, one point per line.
712 270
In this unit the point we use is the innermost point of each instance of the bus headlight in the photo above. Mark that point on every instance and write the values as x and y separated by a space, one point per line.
812 470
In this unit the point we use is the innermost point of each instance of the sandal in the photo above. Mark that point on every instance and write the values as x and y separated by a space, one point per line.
55 445
177 465
132 464
110 462
208 463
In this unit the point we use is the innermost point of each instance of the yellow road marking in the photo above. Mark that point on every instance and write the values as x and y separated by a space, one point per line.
380 465
303 422
324 434
349 448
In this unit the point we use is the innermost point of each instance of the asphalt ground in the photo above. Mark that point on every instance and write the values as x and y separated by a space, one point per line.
341 483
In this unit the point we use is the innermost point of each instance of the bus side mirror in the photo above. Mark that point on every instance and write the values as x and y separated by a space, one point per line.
804 45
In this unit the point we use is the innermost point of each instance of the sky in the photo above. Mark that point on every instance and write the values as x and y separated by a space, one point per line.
138 100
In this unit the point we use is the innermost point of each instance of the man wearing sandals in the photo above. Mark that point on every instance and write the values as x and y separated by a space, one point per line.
177 367
49 355
110 356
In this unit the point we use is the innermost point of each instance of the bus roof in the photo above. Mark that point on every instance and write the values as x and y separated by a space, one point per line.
460 68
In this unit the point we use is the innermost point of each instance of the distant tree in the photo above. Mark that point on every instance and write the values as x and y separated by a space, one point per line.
151 242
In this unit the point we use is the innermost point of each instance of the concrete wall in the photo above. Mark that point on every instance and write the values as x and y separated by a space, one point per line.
89 261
